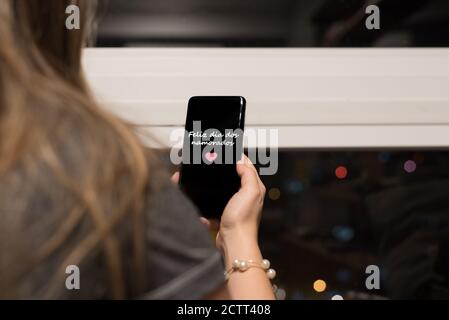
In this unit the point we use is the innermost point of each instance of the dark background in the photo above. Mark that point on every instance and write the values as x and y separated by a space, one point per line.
317 225
321 225
272 23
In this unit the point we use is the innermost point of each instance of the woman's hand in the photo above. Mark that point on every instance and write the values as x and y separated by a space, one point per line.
241 216
238 232
237 236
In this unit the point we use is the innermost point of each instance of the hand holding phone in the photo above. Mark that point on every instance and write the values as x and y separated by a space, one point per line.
213 144
224 190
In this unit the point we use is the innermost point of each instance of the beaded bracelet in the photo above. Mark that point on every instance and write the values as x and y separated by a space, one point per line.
244 265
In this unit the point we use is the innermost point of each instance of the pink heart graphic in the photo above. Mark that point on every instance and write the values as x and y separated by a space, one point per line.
211 156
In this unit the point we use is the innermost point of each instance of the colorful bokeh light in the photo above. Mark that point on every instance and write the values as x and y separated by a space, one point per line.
341 172
274 194
319 285
410 166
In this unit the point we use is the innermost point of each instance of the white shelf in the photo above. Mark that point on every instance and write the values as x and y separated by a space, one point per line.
318 98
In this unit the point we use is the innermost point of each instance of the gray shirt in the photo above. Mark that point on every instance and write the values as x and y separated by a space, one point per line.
181 259
181 255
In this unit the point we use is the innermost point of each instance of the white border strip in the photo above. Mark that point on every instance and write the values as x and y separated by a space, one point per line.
318 98
333 137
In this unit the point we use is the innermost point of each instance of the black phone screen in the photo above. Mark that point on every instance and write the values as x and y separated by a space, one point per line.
213 143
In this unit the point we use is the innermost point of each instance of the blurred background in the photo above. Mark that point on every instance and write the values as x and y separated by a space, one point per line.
272 23
329 213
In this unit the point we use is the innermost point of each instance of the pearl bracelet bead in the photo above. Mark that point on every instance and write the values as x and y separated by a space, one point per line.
271 274
266 264
244 265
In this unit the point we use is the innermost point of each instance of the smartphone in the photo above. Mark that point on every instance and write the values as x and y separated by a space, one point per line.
213 143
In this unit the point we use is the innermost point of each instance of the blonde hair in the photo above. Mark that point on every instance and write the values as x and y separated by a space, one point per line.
44 107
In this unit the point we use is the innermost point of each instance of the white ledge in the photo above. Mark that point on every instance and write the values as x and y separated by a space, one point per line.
319 98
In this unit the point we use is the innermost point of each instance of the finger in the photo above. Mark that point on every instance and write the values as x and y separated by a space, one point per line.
212 225
244 160
248 177
175 178
205 222
247 161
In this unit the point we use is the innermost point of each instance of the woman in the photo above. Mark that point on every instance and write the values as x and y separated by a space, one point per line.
77 187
